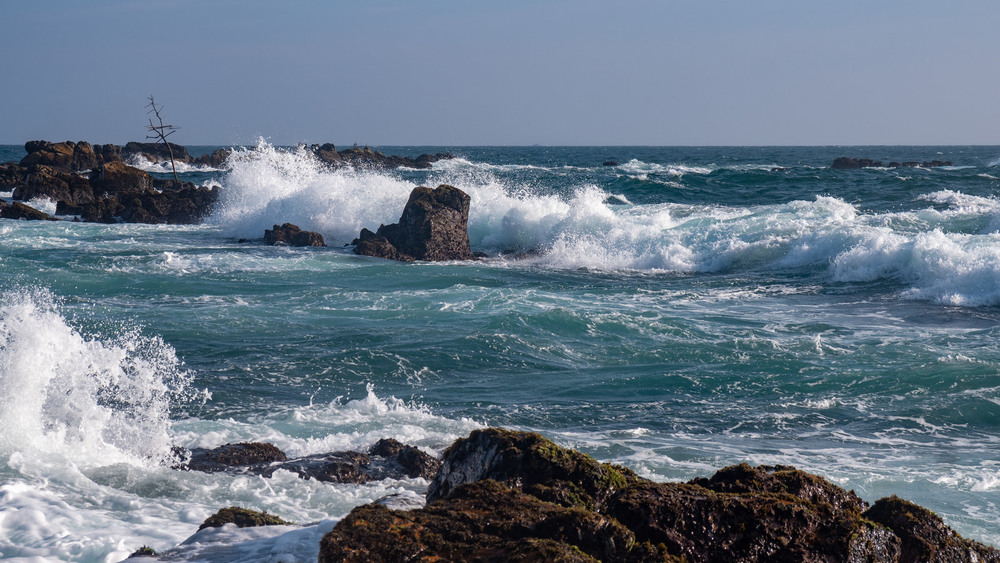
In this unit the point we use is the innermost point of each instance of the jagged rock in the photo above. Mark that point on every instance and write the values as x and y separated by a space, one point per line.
18 210
503 495
482 521
387 459
39 180
292 235
434 226
367 158
924 535
243 518
532 463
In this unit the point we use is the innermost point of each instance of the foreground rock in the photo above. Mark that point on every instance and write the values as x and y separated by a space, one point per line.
291 235
387 459
503 495
434 226
845 163
18 210
243 518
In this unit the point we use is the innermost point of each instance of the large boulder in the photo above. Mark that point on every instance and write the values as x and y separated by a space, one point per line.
113 177
434 226
503 495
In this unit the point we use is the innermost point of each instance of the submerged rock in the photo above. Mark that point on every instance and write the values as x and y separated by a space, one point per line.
243 518
434 226
291 235
503 495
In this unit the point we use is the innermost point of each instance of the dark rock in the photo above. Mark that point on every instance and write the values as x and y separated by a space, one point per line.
216 159
18 210
144 551
39 180
240 455
924 535
387 459
243 518
66 208
434 226
483 521
113 177
845 163
292 235
502 495
610 163
367 158
530 462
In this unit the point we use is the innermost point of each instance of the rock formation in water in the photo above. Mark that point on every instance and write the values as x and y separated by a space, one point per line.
291 235
845 163
501 495
387 459
434 226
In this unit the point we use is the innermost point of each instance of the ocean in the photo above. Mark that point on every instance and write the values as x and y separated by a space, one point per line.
687 309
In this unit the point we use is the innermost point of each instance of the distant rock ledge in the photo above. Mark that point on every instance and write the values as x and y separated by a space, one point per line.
845 163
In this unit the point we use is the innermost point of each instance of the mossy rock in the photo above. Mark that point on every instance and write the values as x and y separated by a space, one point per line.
243 518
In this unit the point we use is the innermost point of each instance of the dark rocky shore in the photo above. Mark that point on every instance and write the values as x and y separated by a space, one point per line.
96 183
846 163
501 495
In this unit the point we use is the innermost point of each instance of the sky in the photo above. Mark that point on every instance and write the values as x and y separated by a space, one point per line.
549 72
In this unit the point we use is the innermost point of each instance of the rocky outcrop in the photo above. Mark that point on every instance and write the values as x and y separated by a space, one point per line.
434 226
845 163
503 495
387 459
68 155
157 152
215 159
291 235
367 158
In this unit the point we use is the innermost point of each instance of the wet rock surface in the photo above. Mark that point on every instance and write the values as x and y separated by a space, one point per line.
291 235
434 226
387 459
242 517
502 495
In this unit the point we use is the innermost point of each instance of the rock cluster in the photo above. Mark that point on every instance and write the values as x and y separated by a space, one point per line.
434 226
387 459
845 163
109 191
366 158
501 495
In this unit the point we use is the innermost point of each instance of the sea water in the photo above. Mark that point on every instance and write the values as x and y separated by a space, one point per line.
684 310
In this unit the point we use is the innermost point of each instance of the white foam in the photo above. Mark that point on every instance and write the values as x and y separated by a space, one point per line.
165 167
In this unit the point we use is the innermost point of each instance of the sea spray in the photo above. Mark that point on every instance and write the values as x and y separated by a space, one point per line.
89 400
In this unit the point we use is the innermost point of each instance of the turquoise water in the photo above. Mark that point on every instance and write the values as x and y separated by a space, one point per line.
687 309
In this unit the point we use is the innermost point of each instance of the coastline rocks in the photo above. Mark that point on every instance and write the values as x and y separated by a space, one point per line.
291 235
434 226
68 155
845 163
156 152
387 459
502 495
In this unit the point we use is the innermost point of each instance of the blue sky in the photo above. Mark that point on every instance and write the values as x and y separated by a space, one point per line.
630 72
